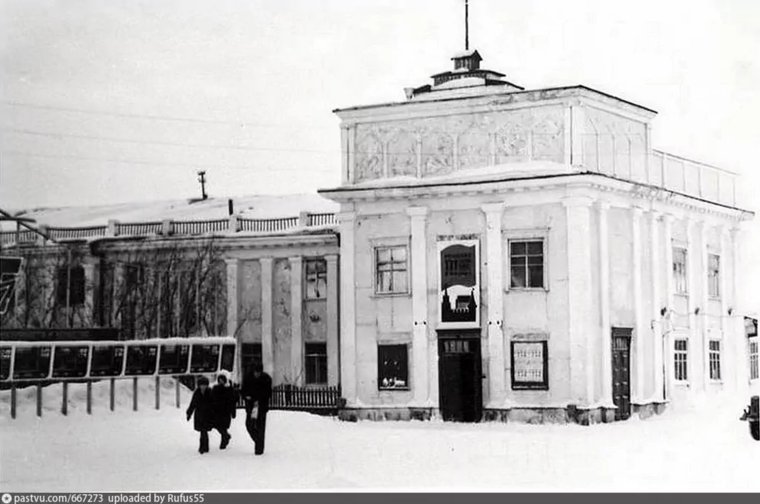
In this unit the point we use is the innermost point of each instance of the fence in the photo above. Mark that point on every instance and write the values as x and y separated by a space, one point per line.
312 399
138 228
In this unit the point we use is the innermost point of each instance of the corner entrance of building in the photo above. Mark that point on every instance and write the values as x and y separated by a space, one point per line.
621 371
459 376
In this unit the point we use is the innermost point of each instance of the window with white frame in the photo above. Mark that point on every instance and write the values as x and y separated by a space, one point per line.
754 370
713 275
316 278
526 264
680 285
391 270
714 357
681 360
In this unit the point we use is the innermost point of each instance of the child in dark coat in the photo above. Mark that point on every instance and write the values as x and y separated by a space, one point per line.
223 406
201 406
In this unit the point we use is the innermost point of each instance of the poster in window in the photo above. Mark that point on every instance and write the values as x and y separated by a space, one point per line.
529 365
459 283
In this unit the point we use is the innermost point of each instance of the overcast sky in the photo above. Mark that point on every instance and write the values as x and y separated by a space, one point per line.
105 101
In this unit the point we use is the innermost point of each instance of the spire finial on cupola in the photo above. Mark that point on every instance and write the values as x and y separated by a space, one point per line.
466 25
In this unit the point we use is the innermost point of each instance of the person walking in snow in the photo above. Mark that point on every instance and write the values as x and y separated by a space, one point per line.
201 406
257 389
223 406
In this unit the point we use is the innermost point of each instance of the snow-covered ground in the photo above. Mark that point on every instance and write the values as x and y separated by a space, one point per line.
701 449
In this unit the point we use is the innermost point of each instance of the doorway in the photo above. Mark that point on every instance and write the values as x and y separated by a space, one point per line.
621 372
459 376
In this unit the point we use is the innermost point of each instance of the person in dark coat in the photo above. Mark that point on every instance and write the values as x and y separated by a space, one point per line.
223 406
201 406
257 389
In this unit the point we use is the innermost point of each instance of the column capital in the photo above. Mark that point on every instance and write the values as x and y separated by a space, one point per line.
654 214
668 218
331 258
266 260
232 261
417 211
577 201
637 211
603 204
493 208
296 259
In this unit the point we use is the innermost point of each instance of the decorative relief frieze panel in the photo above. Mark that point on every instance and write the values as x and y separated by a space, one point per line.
444 144
614 145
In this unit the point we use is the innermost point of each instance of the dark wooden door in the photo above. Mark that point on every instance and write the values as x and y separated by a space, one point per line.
459 379
621 372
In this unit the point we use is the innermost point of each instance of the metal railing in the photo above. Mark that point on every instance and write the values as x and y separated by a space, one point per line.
75 233
138 228
311 398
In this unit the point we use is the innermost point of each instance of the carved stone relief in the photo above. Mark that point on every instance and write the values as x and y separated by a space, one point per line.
402 154
437 153
474 146
369 156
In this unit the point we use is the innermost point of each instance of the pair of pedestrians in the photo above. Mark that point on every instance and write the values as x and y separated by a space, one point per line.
215 408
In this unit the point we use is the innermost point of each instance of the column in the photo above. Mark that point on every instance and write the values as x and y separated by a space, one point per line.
233 303
639 324
604 302
267 334
333 370
737 311
692 283
579 296
667 221
657 329
348 383
495 285
732 346
296 313
418 216
703 300
91 281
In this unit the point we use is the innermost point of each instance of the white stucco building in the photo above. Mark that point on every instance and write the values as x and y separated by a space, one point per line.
528 255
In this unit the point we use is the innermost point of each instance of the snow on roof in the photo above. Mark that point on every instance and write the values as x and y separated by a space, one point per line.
466 54
249 207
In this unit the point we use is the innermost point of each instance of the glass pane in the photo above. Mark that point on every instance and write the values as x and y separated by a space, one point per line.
535 260
517 248
518 276
536 276
399 253
383 255
383 282
399 281
535 247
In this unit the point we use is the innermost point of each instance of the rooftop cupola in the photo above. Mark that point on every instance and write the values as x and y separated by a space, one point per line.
469 60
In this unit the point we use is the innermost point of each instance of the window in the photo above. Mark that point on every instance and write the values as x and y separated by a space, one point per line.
530 365
316 363
392 367
679 271
526 259
714 359
681 359
250 353
70 291
316 278
391 270
713 275
754 371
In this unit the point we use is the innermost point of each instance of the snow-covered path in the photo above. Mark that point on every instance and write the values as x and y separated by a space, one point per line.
156 450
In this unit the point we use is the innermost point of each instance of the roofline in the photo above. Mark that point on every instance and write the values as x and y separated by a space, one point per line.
532 177
559 88
454 72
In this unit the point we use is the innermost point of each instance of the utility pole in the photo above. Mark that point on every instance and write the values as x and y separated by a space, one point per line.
202 180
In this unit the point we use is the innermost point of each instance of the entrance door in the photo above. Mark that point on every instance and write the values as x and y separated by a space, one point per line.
621 372
459 377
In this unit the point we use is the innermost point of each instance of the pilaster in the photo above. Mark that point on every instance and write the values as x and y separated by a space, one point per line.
639 325
494 260
420 350
233 304
333 361
296 320
604 300
348 359
267 332
580 331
